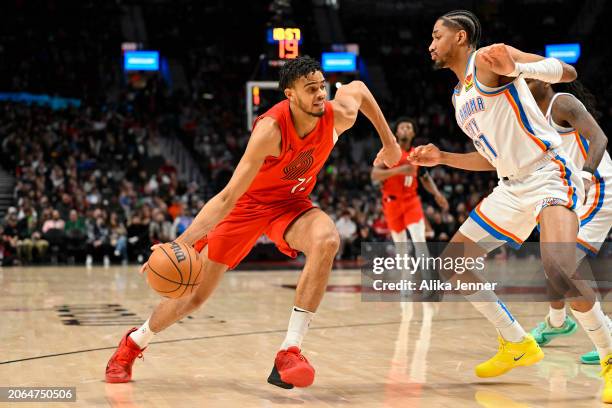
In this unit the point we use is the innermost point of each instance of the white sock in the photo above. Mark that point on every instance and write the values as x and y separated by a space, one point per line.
143 335
417 231
487 303
398 237
556 317
595 323
298 326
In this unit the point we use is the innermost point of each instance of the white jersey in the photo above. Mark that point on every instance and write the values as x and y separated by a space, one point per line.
577 146
504 123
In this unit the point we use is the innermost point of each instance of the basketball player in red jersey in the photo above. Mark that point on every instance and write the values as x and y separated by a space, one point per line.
268 194
401 203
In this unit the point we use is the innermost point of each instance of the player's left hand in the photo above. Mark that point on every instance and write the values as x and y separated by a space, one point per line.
389 155
441 201
498 59
144 265
588 183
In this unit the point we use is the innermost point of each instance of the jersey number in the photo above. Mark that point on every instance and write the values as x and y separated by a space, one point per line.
408 181
300 186
482 143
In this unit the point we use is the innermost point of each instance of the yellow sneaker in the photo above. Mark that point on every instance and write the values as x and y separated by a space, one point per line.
511 355
606 373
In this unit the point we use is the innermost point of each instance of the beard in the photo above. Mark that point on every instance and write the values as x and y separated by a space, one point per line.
317 114
311 113
438 65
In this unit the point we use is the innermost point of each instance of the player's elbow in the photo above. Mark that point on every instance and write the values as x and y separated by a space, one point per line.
356 84
228 198
355 91
375 175
569 73
603 140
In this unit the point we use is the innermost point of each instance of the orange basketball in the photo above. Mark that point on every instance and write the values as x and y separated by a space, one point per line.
174 270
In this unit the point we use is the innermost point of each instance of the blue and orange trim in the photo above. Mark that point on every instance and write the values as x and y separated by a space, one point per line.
494 229
599 185
586 247
566 175
511 94
581 141
600 192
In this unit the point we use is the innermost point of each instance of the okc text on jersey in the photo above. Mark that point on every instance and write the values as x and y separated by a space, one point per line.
469 108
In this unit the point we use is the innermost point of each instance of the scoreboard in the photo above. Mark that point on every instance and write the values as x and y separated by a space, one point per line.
284 43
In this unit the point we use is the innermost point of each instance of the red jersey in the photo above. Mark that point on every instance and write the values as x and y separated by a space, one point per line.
293 173
402 186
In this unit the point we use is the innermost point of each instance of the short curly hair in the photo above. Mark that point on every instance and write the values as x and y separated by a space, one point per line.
408 119
296 68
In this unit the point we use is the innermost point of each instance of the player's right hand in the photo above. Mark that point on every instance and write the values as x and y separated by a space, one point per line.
427 155
389 155
154 247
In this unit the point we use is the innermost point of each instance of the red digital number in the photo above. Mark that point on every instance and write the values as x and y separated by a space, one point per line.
288 49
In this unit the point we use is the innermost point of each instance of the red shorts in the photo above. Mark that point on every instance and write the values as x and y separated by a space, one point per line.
234 237
401 213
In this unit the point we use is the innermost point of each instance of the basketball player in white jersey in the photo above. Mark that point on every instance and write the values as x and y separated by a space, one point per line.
585 143
495 108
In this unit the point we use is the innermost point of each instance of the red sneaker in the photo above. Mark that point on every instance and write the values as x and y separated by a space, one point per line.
291 369
119 367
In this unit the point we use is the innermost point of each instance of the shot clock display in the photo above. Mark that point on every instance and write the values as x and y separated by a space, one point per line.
285 44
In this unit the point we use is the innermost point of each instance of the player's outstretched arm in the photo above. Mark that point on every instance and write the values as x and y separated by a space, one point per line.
265 141
429 155
430 185
381 173
569 109
504 60
354 97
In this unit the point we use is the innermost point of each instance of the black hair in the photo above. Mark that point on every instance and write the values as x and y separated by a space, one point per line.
410 120
295 69
464 20
581 92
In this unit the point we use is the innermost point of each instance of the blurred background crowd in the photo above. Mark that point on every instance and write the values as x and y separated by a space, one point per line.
132 163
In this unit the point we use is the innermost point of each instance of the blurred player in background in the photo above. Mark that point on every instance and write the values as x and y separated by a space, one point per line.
269 194
538 183
401 202
585 143
402 205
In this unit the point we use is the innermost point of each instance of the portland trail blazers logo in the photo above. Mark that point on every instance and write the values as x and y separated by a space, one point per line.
299 166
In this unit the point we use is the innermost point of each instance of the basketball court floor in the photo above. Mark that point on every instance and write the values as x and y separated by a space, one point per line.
60 325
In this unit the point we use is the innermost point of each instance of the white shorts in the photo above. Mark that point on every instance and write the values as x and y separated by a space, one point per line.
596 216
511 211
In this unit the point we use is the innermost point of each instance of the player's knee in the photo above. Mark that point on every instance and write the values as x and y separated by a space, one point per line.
327 243
558 267
557 276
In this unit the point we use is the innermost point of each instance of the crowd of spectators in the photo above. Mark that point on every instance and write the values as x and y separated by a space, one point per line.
93 185
90 187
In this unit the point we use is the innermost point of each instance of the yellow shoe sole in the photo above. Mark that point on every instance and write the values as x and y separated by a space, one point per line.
525 362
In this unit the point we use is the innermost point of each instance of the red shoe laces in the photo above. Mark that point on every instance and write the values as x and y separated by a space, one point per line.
129 355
